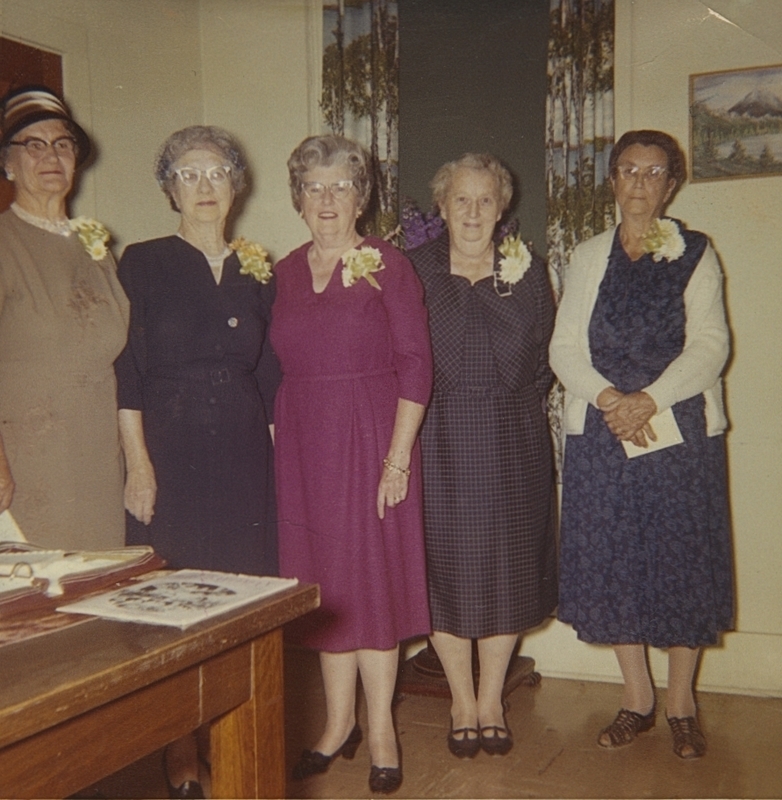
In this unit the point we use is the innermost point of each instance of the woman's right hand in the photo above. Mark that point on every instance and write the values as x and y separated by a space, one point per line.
140 493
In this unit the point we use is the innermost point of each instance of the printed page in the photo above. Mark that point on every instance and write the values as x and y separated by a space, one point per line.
180 598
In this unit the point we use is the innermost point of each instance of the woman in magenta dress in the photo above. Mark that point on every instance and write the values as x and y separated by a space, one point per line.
350 329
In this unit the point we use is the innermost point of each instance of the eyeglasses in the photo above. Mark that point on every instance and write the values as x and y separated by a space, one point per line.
653 174
191 176
315 190
37 148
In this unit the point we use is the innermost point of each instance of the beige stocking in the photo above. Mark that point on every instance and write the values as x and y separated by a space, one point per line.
682 663
638 693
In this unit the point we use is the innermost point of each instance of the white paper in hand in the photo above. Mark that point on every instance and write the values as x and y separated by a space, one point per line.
9 530
667 431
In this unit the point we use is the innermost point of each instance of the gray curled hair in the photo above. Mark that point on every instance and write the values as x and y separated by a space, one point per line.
443 178
199 137
328 151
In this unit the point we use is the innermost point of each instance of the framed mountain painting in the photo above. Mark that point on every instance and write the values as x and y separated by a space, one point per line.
736 123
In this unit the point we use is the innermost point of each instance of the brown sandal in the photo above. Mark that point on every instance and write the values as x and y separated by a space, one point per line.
623 730
688 739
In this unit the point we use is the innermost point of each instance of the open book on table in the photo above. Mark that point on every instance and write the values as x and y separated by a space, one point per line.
34 577
181 598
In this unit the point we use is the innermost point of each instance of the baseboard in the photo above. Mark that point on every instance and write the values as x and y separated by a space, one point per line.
744 663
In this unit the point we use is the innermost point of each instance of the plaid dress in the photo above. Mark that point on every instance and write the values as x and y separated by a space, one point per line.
487 466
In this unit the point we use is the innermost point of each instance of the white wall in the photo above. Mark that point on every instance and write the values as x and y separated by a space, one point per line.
257 57
132 75
659 43
137 70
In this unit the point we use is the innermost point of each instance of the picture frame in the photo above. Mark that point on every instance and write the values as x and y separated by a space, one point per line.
736 124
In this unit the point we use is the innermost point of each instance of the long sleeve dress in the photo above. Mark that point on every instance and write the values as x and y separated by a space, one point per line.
348 354
645 542
199 367
488 475
63 321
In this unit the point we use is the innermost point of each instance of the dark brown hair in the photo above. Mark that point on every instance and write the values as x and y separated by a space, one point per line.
677 168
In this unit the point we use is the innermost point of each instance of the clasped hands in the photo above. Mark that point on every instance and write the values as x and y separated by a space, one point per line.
628 415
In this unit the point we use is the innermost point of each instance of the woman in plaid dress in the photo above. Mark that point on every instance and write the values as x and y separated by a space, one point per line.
488 478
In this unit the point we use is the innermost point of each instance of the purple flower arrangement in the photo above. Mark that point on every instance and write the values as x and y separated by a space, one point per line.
418 227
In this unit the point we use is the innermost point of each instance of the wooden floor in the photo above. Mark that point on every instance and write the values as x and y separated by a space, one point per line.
555 754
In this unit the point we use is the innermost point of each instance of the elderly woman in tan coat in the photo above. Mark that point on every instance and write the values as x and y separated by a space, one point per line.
63 321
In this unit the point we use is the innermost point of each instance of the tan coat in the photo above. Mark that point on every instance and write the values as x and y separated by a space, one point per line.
63 321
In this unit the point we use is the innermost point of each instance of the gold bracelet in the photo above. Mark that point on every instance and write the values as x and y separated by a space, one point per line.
395 467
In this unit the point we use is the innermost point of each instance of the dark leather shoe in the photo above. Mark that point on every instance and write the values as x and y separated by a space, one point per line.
493 743
189 789
464 746
313 763
625 727
384 780
688 739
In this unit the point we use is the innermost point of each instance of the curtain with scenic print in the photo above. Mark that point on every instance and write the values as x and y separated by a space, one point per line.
360 96
579 137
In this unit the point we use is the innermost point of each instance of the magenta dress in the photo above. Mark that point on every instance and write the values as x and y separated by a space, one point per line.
347 356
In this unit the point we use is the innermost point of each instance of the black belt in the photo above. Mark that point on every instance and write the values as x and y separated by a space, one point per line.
213 376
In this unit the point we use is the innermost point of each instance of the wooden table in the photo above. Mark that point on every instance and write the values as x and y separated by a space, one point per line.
80 703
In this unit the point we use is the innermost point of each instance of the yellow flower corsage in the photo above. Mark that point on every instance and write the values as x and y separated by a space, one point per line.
92 235
253 258
664 240
516 259
361 263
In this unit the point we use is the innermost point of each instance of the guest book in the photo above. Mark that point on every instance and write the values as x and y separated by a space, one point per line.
34 577
181 598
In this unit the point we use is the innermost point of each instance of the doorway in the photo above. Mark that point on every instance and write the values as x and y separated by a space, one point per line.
22 64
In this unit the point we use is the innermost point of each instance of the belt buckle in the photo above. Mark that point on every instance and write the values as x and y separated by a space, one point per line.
219 376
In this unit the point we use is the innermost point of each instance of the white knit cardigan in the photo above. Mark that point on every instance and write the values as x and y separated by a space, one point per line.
696 370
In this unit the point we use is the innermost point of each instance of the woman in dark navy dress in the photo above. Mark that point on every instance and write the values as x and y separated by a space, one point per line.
197 382
645 541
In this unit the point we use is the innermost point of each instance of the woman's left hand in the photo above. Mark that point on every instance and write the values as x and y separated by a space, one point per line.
628 418
392 489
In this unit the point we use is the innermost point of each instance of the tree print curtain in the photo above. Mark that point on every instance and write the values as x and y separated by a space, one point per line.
579 137
360 96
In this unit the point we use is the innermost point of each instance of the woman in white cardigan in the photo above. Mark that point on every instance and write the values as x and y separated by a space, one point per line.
640 344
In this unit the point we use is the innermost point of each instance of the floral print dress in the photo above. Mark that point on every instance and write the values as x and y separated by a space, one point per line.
645 542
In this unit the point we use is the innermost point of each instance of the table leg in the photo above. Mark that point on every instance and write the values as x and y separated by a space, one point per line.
248 743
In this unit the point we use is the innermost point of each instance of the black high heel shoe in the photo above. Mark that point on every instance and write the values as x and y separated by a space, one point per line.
189 789
384 780
313 763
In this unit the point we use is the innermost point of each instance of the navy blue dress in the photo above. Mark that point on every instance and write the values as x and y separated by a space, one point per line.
199 366
645 542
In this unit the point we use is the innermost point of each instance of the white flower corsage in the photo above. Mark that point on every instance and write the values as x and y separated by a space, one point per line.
664 240
516 259
253 258
361 263
92 235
